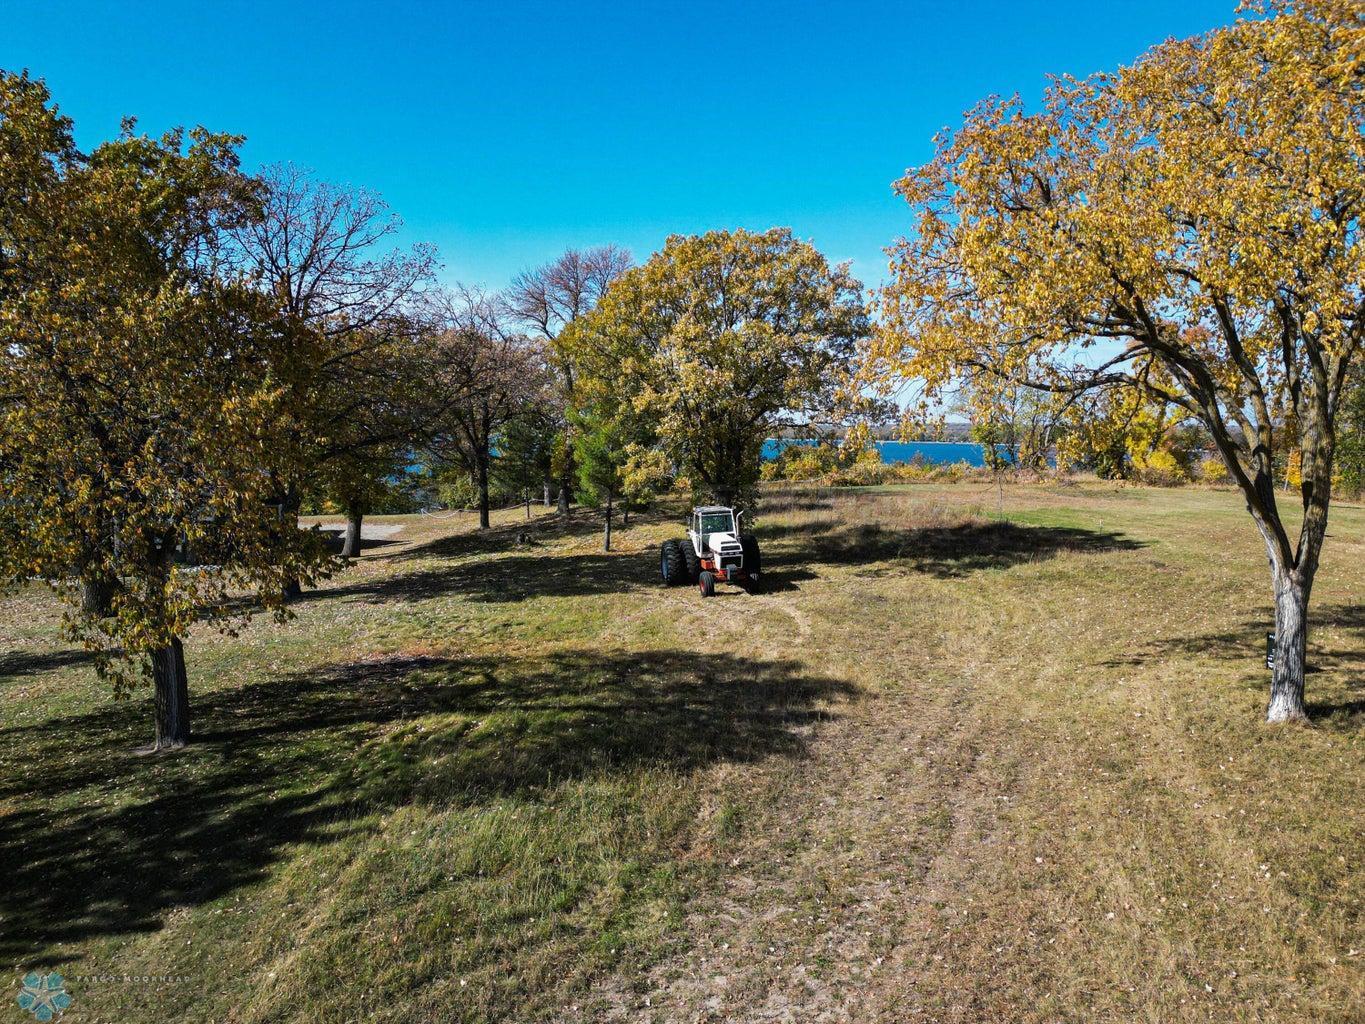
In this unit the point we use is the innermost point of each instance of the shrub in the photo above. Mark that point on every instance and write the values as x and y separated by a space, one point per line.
801 462
1159 468
1213 471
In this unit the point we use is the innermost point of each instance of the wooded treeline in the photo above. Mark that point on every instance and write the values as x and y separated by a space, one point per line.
193 355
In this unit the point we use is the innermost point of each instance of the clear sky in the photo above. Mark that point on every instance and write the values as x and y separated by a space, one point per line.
505 132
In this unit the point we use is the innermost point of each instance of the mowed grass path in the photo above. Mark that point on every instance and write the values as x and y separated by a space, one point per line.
946 768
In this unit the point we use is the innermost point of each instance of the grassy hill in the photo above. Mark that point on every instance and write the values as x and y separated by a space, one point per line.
948 767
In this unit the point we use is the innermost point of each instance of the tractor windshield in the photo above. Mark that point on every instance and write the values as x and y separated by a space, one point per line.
716 522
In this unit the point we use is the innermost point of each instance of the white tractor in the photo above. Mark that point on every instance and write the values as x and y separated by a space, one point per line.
714 551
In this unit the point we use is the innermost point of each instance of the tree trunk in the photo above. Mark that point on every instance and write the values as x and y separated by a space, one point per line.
289 520
606 533
350 547
625 515
97 597
483 492
564 495
172 696
546 485
1291 642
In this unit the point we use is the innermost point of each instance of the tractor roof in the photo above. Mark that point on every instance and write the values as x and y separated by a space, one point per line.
708 509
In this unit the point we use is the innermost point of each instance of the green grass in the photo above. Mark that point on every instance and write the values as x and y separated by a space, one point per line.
946 767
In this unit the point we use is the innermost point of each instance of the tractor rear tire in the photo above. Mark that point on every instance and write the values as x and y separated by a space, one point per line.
707 583
671 565
690 559
753 559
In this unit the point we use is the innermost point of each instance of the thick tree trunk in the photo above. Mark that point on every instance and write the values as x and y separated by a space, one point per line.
97 597
546 486
606 532
172 696
565 495
1291 641
483 493
350 547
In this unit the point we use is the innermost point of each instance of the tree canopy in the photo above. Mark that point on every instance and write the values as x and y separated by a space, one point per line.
142 387
323 254
1188 226
718 338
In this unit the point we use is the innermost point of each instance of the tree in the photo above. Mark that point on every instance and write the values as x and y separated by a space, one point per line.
1123 432
1016 424
1188 227
614 471
142 391
370 413
645 474
600 452
321 251
1102 429
718 338
359 484
616 453
526 451
547 300
485 377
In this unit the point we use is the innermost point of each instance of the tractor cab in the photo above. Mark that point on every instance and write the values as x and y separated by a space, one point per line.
709 521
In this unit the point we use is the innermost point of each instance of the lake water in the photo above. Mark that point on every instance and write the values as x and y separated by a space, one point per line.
933 452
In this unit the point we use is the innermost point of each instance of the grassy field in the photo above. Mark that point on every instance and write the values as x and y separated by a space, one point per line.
948 767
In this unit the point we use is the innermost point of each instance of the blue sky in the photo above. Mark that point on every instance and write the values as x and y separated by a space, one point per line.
506 131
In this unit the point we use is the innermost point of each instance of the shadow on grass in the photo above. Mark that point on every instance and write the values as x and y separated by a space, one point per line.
1245 644
580 523
27 663
782 500
334 540
510 577
949 551
97 842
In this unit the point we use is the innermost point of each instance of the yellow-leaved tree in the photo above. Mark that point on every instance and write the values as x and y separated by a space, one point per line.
1188 226
141 392
716 340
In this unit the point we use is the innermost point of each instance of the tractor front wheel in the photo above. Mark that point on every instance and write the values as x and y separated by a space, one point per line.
707 583
671 565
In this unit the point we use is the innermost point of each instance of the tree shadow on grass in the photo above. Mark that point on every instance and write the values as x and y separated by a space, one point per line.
782 500
14 664
334 539
99 843
953 551
507 578
783 579
1340 657
581 523
947 552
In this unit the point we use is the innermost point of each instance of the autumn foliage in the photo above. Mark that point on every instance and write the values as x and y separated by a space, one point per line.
1188 227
